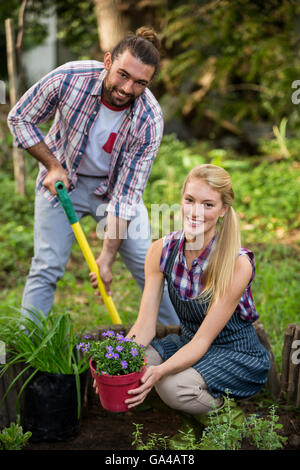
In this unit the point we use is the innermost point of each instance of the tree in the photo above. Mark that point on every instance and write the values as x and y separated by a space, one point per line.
231 62
111 24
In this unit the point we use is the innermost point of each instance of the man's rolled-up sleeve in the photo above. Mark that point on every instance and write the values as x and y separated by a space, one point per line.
36 106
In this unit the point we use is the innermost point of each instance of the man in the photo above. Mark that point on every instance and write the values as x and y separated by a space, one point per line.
106 131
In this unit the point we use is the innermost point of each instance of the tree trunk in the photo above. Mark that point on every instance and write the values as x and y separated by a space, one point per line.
112 25
18 158
19 45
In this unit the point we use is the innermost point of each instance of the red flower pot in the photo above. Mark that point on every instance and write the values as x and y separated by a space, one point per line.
112 389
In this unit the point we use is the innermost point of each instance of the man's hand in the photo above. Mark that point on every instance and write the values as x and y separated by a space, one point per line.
55 174
115 231
105 275
105 272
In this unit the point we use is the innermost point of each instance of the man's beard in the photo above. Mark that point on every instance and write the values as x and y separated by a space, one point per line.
112 99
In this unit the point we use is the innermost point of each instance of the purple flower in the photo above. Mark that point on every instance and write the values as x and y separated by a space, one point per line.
116 356
109 333
87 336
124 364
120 338
109 348
110 355
119 348
83 347
134 352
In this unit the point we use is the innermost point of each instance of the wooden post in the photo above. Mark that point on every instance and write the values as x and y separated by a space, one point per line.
18 160
293 371
273 378
298 392
290 377
8 411
286 352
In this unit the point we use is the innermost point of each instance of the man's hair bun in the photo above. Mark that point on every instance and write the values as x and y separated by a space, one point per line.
149 34
144 44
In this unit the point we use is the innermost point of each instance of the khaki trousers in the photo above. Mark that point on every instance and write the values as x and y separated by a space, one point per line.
185 391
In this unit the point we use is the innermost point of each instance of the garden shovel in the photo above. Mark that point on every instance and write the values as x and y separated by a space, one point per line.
67 205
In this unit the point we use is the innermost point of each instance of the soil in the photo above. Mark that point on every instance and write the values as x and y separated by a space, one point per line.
103 430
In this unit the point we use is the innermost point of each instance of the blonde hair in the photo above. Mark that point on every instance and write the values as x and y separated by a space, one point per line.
219 271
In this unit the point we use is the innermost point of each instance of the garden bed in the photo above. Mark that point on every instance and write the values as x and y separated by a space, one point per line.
102 430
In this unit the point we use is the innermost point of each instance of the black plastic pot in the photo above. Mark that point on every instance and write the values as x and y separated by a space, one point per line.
50 407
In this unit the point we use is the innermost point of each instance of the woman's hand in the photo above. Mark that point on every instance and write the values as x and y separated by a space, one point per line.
95 386
152 375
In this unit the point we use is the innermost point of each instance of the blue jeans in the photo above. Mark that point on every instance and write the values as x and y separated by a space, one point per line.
53 240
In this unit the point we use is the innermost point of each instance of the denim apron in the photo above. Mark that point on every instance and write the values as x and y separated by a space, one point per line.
236 362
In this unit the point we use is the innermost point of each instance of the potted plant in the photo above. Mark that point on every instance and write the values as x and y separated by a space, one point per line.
117 364
52 370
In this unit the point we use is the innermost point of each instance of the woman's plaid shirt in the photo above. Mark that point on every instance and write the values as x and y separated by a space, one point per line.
188 282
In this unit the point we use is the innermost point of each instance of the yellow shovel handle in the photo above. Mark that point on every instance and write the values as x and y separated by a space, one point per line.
89 257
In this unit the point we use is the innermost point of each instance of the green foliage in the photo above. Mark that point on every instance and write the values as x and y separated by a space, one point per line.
40 343
46 343
222 433
77 27
13 438
263 433
154 440
76 23
275 291
36 31
237 59
265 210
16 227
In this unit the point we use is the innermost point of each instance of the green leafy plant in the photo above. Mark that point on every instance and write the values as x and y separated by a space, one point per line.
116 354
222 433
154 440
13 438
263 432
40 343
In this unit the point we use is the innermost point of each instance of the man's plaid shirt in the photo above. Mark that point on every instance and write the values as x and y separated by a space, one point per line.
70 95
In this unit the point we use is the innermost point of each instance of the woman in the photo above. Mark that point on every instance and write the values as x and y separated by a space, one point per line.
209 277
